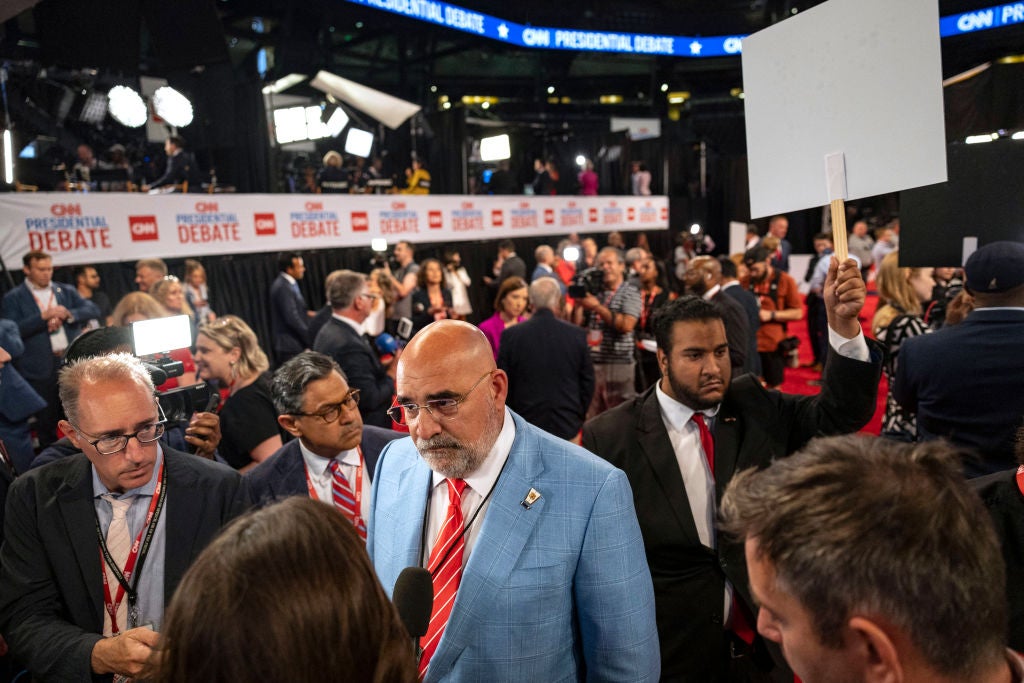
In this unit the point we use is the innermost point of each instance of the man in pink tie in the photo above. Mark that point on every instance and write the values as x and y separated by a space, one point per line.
97 542
681 442
532 543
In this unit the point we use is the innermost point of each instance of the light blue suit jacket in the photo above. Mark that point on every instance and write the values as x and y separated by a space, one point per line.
559 591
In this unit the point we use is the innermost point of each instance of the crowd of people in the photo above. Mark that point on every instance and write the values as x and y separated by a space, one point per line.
600 480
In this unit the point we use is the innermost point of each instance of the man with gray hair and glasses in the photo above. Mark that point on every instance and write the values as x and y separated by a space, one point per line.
333 454
872 560
97 542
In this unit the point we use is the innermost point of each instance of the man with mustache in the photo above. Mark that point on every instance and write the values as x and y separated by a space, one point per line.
333 454
532 543
680 443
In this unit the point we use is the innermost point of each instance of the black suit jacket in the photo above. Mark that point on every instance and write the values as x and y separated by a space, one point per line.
550 372
289 321
283 475
753 427
51 587
513 266
753 310
181 167
737 332
362 368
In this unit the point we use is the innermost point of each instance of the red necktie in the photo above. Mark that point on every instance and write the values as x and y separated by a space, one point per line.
445 566
341 492
707 442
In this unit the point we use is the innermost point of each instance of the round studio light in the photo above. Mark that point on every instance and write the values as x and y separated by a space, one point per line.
172 106
127 107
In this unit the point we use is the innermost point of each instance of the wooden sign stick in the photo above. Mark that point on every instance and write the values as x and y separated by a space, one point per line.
835 176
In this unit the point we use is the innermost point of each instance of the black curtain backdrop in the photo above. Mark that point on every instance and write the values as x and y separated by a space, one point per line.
240 284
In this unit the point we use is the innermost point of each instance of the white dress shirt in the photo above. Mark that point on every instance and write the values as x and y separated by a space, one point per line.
320 476
478 485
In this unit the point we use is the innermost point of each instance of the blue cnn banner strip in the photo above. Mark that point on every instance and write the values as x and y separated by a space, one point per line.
504 31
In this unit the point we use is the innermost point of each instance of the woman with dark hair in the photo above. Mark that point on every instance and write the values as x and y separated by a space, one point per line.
266 603
654 293
509 305
431 300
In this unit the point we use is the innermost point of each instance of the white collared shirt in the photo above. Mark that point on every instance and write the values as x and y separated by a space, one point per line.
289 278
478 485
321 477
698 481
357 326
708 295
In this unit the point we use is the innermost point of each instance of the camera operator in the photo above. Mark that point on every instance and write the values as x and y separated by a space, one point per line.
610 316
403 281
458 281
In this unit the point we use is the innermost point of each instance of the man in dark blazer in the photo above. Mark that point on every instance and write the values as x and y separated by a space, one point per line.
703 277
778 226
289 317
751 306
657 439
53 613
308 390
181 167
509 264
344 339
964 381
550 372
49 316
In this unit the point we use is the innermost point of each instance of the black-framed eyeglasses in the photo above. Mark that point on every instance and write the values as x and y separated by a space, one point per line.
115 443
332 412
438 408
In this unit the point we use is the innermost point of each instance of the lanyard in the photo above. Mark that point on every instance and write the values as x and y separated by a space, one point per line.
136 559
358 491
1020 479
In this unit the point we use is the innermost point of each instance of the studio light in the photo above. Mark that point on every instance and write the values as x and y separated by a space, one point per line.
495 148
172 106
127 107
359 142
290 124
978 139
8 157
95 109
379 244
571 253
337 122
695 229
581 160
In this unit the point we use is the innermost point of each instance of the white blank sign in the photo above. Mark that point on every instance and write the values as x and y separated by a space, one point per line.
860 77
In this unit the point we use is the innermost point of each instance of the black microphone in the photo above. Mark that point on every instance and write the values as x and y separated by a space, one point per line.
414 598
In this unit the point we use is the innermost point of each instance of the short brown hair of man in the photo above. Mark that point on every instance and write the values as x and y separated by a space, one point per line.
860 526
286 593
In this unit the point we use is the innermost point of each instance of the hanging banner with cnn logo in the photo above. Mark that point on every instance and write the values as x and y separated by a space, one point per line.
102 227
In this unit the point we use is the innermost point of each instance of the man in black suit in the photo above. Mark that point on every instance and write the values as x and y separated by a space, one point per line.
66 541
964 381
49 316
703 277
181 167
509 264
344 339
680 443
315 404
550 372
289 317
751 306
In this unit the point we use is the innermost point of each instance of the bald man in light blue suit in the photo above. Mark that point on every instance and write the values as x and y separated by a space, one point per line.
555 584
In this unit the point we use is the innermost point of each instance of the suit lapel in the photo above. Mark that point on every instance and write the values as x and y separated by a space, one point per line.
79 517
727 447
186 506
657 448
507 527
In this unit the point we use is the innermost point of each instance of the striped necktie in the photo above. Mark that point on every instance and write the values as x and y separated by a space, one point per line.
341 493
119 542
445 566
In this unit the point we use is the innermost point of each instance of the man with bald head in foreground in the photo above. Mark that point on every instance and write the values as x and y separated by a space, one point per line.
533 543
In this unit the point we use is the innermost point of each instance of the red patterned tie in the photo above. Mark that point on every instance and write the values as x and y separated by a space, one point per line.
341 492
447 550
706 440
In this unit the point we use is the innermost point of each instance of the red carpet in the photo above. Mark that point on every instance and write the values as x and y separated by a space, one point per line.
797 379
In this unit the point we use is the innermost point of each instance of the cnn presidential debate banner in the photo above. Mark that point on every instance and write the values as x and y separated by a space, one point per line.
103 227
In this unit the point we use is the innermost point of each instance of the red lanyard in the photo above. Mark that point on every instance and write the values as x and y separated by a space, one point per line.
357 492
1020 479
124 578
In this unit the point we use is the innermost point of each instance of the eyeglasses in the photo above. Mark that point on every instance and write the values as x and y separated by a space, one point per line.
115 443
370 295
438 407
333 411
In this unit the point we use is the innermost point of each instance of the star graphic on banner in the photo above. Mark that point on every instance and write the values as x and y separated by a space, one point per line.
695 47
502 31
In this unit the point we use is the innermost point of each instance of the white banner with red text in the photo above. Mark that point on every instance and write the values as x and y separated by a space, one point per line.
103 227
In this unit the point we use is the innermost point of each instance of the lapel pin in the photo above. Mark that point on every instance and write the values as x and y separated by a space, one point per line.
532 497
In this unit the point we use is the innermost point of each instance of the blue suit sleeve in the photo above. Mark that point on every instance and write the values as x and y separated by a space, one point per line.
613 591
10 338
